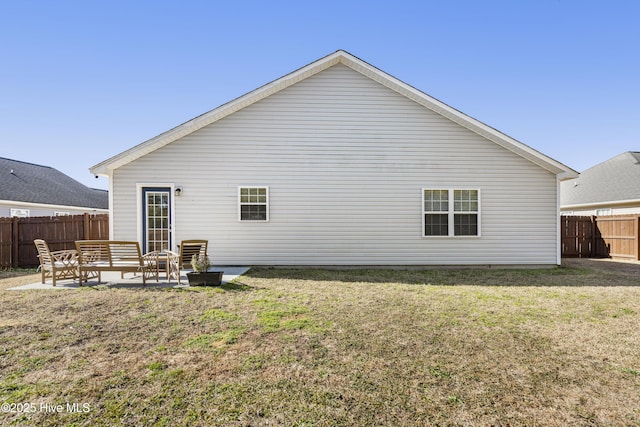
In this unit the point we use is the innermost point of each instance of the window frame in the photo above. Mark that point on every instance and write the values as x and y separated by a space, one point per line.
20 213
603 212
241 203
451 212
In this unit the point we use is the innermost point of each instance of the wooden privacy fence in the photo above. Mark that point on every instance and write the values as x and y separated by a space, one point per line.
615 236
60 232
576 235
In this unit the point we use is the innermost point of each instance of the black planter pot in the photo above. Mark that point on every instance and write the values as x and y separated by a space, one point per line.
209 278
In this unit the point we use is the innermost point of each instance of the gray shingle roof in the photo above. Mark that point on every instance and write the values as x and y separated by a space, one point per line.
615 180
27 182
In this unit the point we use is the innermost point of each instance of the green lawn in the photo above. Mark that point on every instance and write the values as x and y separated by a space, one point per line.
321 347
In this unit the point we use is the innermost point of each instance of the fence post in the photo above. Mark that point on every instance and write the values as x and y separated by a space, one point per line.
594 240
86 226
15 242
637 237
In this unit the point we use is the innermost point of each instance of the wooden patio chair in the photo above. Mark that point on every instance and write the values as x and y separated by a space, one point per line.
58 264
182 260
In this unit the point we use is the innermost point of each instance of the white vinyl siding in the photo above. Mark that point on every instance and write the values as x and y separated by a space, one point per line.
345 159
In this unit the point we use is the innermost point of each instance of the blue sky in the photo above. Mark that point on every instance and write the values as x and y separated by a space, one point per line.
81 81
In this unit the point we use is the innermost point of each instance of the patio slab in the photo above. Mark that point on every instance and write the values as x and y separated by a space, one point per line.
114 280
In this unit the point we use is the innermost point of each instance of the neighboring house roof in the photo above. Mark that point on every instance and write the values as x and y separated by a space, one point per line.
31 183
614 181
338 57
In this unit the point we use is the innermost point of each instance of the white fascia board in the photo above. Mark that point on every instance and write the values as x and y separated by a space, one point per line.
569 174
613 203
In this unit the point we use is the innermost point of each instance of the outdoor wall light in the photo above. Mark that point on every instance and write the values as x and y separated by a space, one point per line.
178 191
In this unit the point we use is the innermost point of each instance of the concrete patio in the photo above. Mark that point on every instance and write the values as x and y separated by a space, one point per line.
130 280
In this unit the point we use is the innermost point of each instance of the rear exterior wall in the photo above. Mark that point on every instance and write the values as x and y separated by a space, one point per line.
345 160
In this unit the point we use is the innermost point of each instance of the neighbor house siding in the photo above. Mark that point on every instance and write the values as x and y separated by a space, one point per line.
345 160
36 209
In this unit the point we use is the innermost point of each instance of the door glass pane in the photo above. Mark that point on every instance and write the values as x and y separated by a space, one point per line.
157 211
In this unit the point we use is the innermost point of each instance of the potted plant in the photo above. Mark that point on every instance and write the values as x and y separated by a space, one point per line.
201 276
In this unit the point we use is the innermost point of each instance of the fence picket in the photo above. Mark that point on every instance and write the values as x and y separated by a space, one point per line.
616 236
60 232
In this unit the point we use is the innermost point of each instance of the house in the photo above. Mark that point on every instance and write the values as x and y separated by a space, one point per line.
27 189
609 188
339 163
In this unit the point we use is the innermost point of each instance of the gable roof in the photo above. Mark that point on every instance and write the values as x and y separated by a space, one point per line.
31 183
613 181
338 57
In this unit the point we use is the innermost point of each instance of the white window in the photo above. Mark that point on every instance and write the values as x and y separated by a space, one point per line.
253 203
61 213
605 211
22 213
450 212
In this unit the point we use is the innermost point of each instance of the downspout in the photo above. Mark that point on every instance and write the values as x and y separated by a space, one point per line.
558 224
111 217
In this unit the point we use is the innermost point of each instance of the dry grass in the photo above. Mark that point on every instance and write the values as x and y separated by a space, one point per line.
312 347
